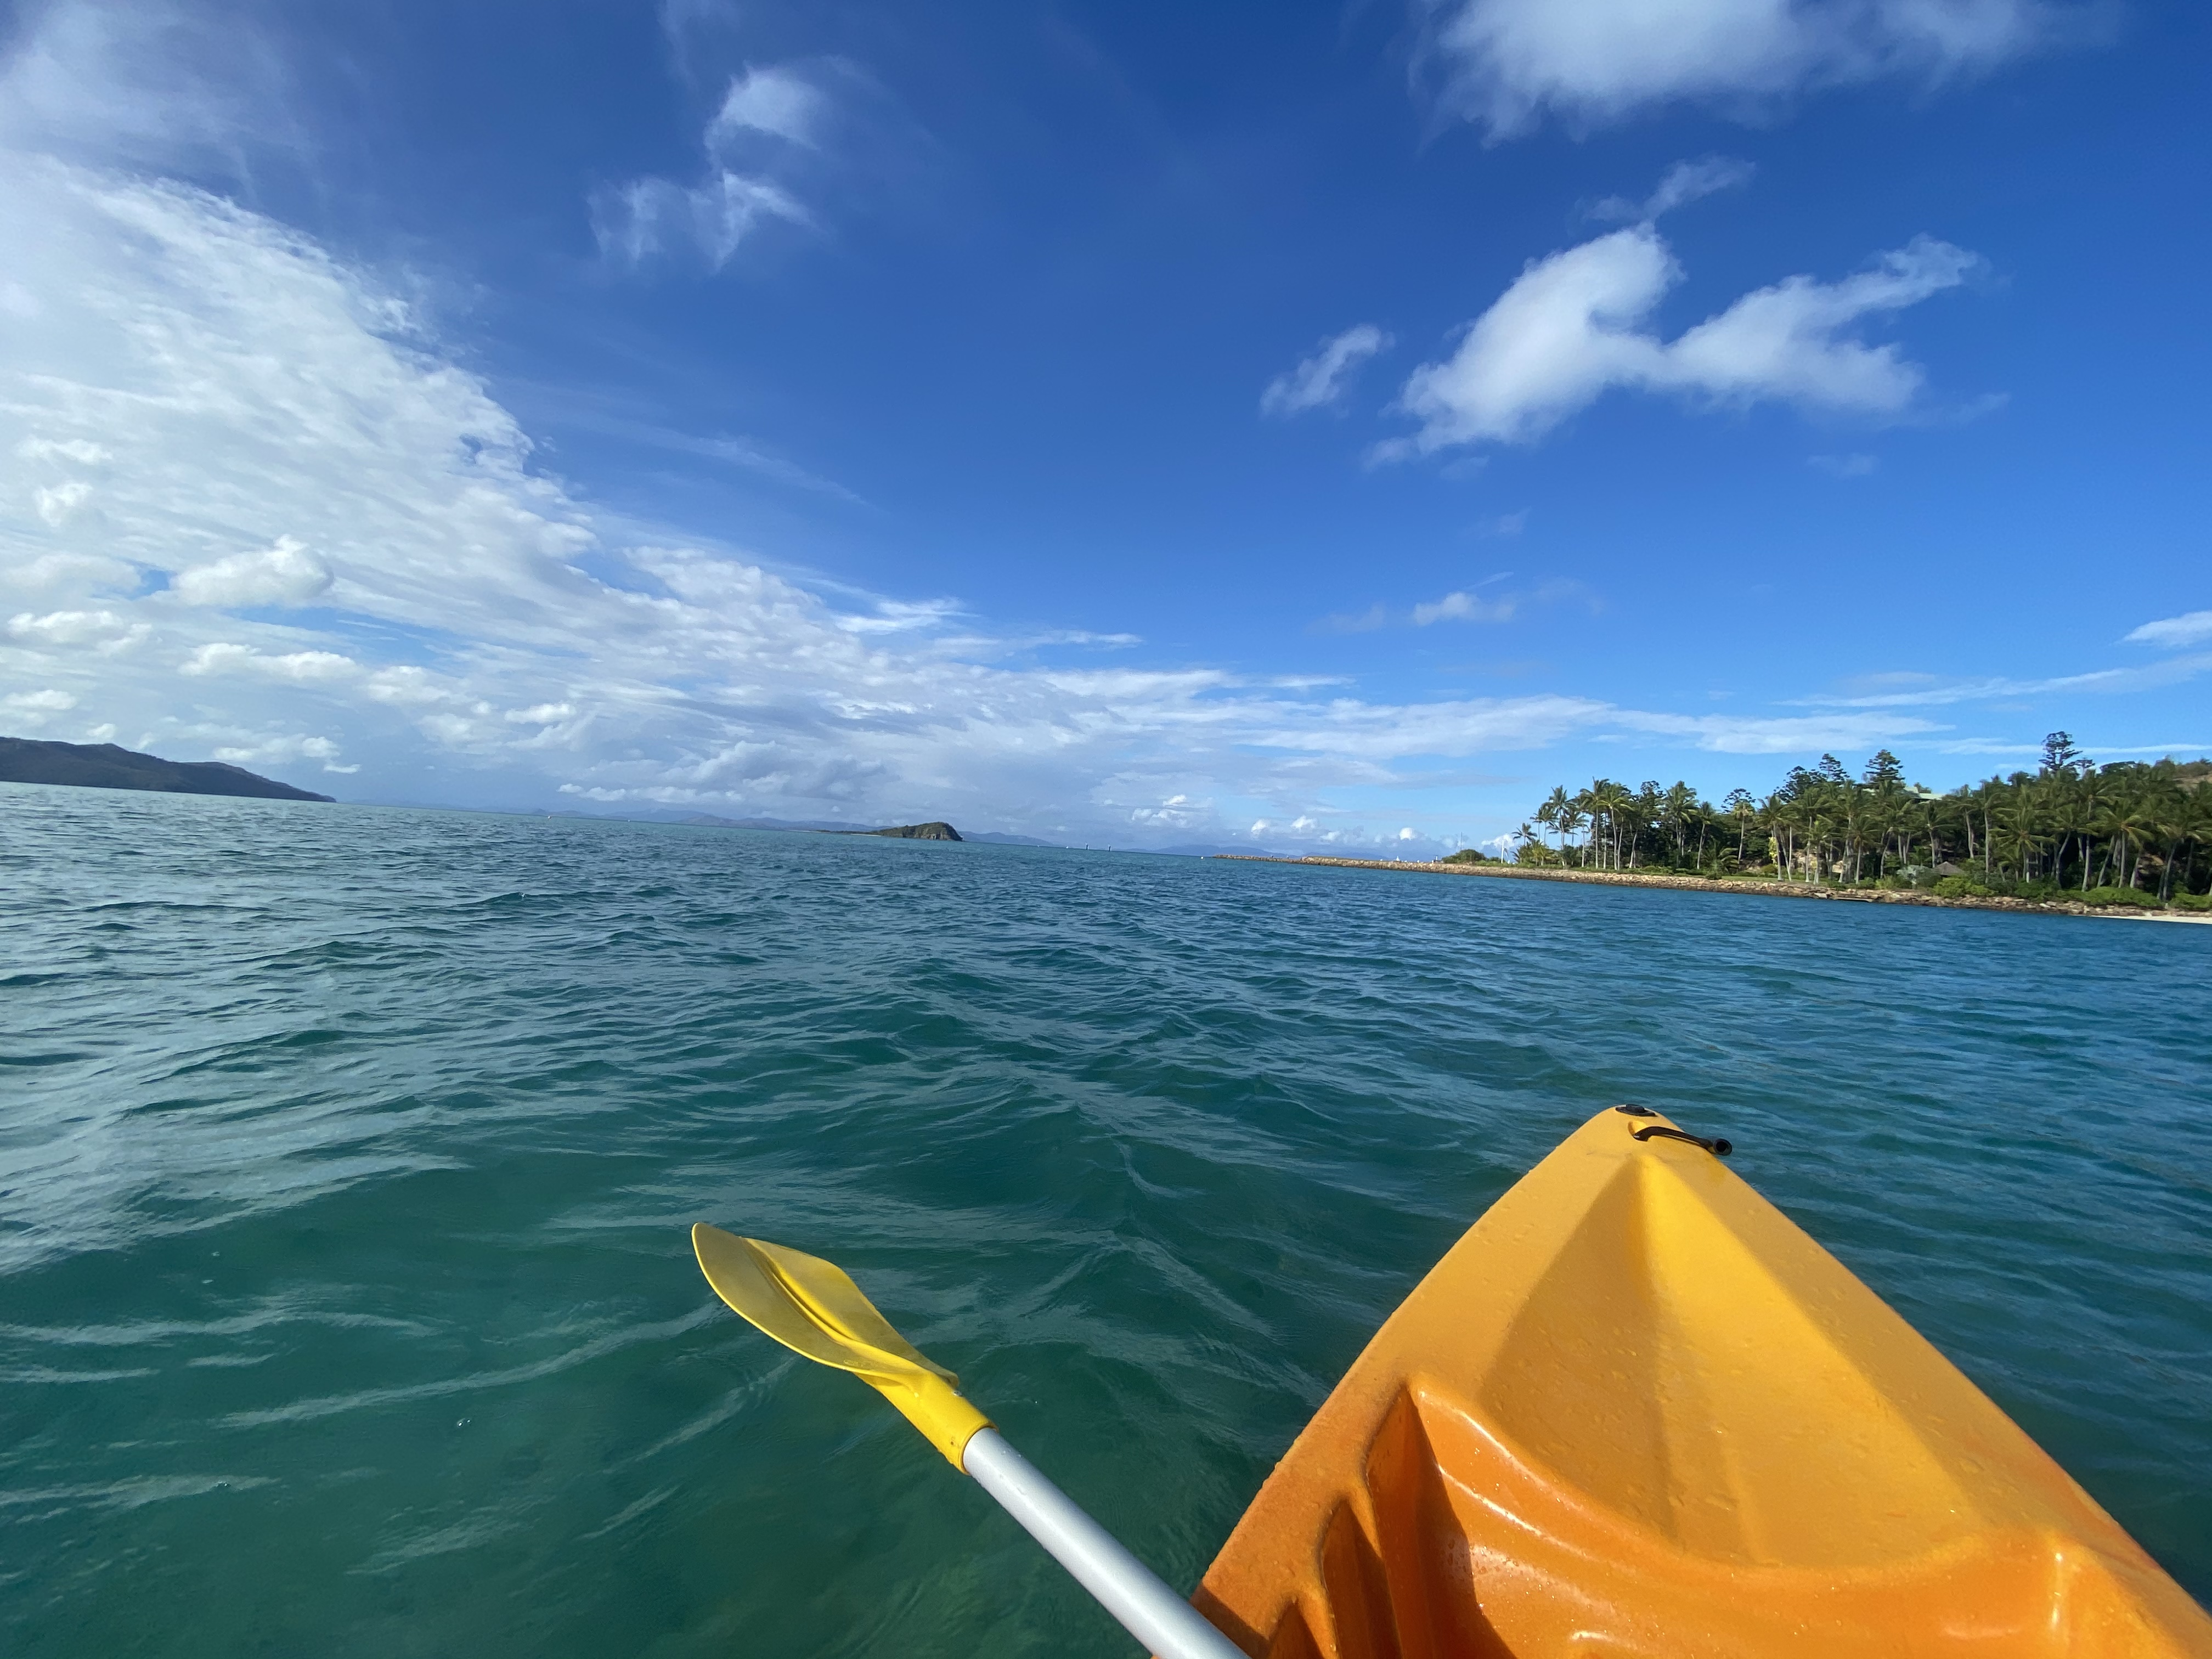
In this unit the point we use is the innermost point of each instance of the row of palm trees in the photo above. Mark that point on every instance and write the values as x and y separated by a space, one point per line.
2071 825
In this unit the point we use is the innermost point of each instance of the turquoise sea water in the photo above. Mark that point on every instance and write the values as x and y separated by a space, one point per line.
347 1155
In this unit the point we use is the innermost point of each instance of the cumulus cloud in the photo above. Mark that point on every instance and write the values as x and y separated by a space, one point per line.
1321 379
2193 628
286 574
102 630
298 667
765 117
1505 64
57 503
1576 324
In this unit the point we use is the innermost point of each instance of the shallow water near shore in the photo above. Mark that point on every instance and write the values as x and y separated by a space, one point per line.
348 1154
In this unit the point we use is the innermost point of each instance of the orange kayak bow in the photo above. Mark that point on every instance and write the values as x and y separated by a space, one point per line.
1637 1412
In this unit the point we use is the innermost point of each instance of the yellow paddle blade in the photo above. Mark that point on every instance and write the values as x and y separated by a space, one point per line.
813 1308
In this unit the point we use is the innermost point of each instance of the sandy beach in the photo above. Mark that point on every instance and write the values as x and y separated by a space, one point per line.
1726 884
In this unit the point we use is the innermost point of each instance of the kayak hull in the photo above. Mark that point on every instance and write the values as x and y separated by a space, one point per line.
1636 1411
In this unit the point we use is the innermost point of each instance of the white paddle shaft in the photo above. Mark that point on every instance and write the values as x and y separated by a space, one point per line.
1166 1624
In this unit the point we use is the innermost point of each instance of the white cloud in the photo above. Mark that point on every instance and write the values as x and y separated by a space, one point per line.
775 101
284 574
1466 607
1574 324
147 83
482 625
48 702
1683 183
1507 63
2193 628
744 184
1927 691
278 748
1740 735
73 572
649 217
80 450
299 667
1321 379
59 503
101 628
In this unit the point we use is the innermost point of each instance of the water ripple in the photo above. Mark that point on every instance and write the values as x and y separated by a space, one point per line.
351 1151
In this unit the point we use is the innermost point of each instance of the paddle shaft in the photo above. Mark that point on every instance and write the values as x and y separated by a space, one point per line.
1166 1624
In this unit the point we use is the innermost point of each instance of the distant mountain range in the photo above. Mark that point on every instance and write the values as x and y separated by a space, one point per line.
906 831
914 831
712 821
1196 851
104 766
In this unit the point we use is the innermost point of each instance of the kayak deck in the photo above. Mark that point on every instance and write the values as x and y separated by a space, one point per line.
1636 1410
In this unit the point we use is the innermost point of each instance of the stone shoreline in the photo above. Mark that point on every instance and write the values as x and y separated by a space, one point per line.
1731 884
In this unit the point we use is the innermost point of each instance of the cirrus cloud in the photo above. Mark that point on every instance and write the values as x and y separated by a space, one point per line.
1321 379
768 119
2193 628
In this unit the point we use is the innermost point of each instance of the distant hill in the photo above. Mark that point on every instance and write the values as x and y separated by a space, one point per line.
1001 838
1206 851
935 830
712 821
104 766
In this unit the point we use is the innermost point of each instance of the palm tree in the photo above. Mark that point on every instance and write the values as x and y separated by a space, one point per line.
1572 816
2125 824
2139 825
2020 829
1552 811
1742 808
1613 800
2171 820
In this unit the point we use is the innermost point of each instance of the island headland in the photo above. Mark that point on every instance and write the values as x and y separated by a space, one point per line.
935 830
105 766
2072 837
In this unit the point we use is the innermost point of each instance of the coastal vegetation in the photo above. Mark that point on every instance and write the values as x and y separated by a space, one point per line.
105 766
2130 833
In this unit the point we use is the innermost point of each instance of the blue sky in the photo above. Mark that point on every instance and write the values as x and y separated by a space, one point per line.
1304 426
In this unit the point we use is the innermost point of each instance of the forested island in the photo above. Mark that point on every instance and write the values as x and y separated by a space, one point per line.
105 766
2130 833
